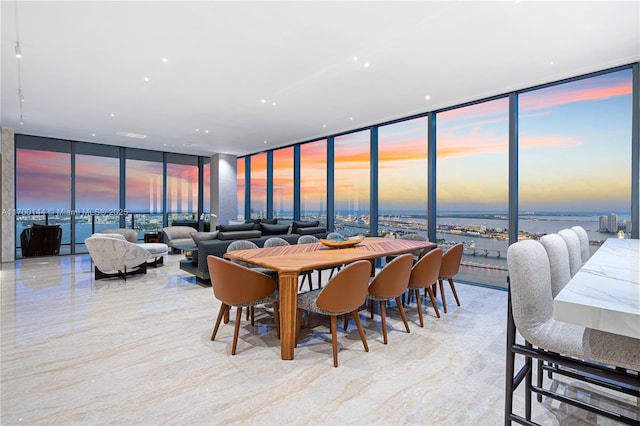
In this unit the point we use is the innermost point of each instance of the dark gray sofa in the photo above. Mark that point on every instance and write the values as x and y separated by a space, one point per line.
216 243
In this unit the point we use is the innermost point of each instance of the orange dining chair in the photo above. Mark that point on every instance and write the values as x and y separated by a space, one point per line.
343 294
239 286
388 284
449 268
424 274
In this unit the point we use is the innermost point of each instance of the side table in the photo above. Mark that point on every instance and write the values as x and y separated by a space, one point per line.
153 237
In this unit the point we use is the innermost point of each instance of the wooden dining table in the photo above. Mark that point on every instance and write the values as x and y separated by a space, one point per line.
290 261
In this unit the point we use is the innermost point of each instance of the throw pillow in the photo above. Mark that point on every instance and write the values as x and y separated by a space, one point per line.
239 227
306 224
203 236
269 229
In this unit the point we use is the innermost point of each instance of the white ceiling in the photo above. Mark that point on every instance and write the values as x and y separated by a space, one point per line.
83 61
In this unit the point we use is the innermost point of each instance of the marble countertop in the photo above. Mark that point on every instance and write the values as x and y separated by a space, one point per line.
605 293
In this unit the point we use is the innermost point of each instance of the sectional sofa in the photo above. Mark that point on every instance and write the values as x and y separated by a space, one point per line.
257 231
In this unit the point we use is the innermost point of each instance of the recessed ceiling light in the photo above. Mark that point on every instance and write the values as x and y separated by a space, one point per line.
93 134
113 115
197 130
351 118
165 60
265 141
427 97
273 103
550 62
366 64
146 79
206 131
264 101
131 135
355 58
324 125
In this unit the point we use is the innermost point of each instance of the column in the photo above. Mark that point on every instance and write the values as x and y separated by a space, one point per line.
224 189
7 201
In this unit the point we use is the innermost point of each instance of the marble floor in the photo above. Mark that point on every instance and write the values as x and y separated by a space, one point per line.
83 352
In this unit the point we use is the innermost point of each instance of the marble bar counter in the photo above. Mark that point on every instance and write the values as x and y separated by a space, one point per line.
605 293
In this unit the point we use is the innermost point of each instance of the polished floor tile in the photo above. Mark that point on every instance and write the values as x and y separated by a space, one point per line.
79 351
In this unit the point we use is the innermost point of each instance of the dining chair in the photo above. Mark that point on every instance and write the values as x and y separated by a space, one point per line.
585 249
248 245
424 274
307 275
343 294
575 252
275 242
389 284
238 286
449 268
559 265
417 254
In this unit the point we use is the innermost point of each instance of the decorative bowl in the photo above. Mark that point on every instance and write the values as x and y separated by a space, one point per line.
348 242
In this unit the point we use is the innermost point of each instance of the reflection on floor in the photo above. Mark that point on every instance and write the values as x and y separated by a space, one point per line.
79 351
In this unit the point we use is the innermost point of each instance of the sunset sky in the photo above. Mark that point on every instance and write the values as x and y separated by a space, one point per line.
575 150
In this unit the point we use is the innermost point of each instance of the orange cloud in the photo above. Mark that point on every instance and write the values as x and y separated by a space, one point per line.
566 94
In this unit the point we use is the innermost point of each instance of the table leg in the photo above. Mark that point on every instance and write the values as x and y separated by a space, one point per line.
288 283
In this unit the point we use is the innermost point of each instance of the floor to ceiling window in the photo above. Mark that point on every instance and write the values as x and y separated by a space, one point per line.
283 184
352 183
43 192
144 193
182 188
402 178
242 182
472 188
97 194
313 181
258 186
575 157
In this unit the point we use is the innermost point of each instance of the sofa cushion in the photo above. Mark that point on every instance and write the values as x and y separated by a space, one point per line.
203 236
239 235
239 227
311 230
130 235
268 229
269 221
299 224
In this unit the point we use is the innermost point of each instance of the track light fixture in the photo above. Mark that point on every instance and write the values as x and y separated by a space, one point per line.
18 50
20 96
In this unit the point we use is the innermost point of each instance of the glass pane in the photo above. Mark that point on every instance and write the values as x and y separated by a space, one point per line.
472 188
182 194
574 158
97 196
351 183
283 184
144 195
313 181
240 172
402 178
259 185
43 192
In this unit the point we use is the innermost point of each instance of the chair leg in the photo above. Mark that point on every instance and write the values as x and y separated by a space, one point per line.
236 330
276 317
402 314
444 301
433 302
224 309
252 315
372 307
383 315
453 289
417 293
345 322
334 340
356 318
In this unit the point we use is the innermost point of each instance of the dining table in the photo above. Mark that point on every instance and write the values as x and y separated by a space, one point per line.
605 293
290 261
